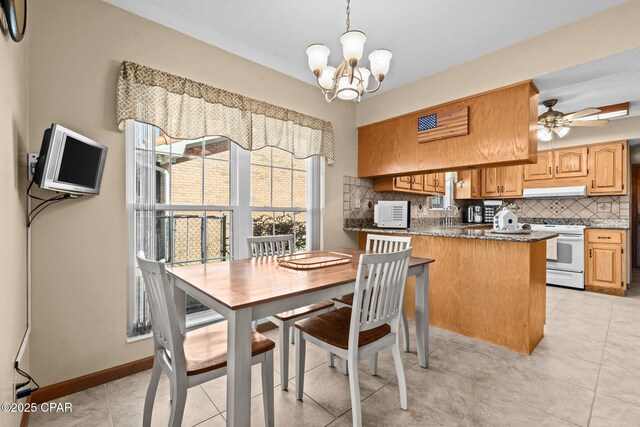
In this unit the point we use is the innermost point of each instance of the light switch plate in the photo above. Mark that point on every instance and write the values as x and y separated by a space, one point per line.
32 160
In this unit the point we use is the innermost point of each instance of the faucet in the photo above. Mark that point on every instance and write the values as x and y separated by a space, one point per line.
448 220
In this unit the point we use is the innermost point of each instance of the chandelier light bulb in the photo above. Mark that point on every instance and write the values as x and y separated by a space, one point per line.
380 60
364 74
353 46
347 91
318 55
326 78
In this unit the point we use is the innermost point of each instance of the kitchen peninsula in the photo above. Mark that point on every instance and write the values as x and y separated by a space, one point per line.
482 285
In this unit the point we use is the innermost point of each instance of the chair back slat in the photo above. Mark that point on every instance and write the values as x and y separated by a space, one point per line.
379 292
164 316
270 245
383 244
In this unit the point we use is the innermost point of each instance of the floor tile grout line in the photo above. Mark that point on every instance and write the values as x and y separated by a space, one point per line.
595 391
106 396
210 400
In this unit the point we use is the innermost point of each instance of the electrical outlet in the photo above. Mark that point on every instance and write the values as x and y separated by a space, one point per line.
357 203
32 160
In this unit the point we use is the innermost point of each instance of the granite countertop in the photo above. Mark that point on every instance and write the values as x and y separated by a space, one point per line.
598 223
460 231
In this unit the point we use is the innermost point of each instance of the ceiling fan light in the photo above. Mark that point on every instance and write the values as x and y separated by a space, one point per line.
562 131
380 60
353 46
326 77
318 56
544 134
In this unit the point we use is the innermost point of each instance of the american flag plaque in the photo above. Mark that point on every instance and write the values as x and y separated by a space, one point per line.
443 125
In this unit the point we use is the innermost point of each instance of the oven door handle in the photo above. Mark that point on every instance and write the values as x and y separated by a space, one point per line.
570 238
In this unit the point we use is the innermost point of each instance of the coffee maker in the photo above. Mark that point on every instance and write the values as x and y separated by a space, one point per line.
474 214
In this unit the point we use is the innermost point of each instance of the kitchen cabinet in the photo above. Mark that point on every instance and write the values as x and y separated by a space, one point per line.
504 181
570 162
426 184
502 127
468 185
605 261
542 169
607 164
434 182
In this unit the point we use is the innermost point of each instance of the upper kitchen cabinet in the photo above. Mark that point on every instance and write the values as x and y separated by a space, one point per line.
430 184
602 168
542 169
570 162
491 129
468 185
502 182
608 167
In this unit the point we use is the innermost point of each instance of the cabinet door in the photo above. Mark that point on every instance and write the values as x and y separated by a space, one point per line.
430 181
491 182
476 183
570 162
440 182
418 183
606 167
511 181
543 169
604 265
403 182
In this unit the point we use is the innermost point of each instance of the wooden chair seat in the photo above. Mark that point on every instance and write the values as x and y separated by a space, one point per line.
333 328
303 311
205 349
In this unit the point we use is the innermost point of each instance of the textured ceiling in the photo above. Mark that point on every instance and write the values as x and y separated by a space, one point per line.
425 36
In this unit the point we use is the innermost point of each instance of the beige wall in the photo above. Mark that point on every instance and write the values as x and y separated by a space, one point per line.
604 34
80 248
14 133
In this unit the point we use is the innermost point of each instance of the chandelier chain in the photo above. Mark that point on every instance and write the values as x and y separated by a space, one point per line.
348 14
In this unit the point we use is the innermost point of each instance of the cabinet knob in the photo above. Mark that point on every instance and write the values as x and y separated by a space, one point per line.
549 170
590 253
556 169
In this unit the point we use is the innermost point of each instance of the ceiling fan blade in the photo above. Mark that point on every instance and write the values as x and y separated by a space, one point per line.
578 123
582 113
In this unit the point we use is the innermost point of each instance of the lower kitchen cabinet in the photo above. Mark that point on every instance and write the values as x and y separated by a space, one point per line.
605 261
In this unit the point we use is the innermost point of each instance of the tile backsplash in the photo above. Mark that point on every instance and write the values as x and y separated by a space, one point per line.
603 207
359 198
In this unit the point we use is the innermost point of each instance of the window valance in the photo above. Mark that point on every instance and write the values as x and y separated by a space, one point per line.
185 109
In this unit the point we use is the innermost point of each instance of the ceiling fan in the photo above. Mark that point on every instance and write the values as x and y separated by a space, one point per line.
553 121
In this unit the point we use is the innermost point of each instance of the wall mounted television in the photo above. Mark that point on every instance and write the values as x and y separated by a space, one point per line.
69 162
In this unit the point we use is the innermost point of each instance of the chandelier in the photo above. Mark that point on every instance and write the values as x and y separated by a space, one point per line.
348 81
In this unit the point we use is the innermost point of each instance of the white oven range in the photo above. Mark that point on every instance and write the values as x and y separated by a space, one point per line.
567 269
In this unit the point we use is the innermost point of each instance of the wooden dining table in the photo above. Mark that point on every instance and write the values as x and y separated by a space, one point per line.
250 289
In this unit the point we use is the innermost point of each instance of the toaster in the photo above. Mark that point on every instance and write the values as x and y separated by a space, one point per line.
392 214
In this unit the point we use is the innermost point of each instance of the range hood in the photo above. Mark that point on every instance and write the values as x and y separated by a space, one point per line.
575 192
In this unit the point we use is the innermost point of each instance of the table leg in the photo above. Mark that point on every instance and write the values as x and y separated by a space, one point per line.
239 367
422 316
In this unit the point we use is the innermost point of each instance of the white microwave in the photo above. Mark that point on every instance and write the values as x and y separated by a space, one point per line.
392 214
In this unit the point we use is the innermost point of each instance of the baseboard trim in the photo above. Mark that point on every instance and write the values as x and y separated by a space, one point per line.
84 382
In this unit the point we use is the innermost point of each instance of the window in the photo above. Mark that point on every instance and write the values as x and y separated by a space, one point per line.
197 201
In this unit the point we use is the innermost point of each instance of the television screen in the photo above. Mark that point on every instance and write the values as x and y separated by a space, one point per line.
80 163
69 162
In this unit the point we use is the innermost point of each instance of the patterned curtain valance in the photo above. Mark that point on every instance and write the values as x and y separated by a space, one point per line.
185 109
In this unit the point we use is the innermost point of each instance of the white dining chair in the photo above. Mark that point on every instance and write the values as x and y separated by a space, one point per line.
275 246
377 243
195 357
373 323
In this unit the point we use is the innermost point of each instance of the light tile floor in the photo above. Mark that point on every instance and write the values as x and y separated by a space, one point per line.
586 372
